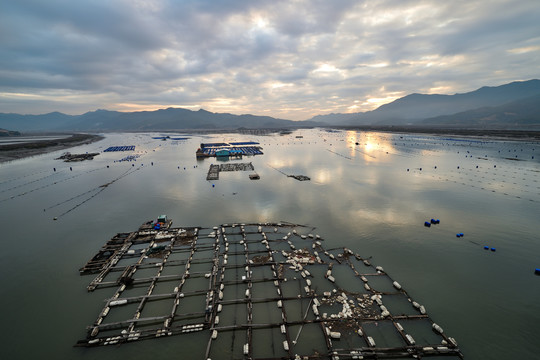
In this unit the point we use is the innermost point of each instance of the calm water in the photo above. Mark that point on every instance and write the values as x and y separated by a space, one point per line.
360 196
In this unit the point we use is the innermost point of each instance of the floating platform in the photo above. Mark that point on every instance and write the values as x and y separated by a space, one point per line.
69 157
214 170
300 177
235 150
261 291
119 148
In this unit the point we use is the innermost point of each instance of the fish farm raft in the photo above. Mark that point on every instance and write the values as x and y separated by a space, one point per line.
233 149
256 291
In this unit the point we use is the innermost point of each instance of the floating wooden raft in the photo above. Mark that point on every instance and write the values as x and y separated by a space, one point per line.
214 170
334 294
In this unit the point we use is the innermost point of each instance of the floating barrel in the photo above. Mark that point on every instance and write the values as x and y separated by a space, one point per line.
536 271
427 224
486 247
493 249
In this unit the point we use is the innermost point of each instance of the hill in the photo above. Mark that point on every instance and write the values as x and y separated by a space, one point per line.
516 114
415 108
163 119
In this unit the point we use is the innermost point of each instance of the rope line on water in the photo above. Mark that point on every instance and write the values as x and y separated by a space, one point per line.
343 156
22 177
103 187
28 183
48 185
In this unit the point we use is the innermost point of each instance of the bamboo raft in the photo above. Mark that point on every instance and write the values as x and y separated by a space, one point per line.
301 286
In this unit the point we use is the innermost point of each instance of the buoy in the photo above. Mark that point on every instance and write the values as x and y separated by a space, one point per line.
213 185
536 271
407 169
70 168
55 218
54 169
493 249
458 235
107 166
486 247
461 234
427 224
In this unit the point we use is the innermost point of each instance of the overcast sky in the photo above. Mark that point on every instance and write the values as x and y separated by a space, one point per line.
288 59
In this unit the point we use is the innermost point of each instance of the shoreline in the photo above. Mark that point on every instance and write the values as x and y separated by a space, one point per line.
12 152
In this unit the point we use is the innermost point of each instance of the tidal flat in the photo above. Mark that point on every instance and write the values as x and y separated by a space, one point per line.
368 191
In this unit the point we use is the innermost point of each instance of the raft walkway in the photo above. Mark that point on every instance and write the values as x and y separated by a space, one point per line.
283 278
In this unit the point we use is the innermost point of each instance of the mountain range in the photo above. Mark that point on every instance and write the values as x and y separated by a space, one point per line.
471 109
514 105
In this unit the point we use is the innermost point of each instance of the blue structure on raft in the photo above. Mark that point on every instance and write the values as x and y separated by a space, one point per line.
225 149
120 148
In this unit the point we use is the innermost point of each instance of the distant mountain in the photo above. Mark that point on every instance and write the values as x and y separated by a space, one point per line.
516 114
164 119
415 108
509 105
33 122
9 133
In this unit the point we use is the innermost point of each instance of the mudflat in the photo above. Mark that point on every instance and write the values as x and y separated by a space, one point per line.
18 151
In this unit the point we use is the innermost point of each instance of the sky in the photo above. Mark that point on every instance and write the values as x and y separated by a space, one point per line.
289 59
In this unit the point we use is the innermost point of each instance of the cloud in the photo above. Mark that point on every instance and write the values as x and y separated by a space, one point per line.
289 59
